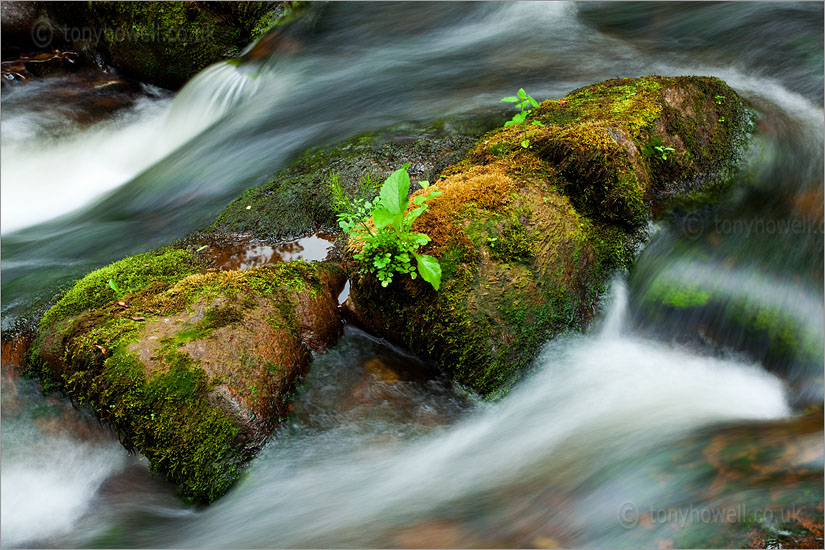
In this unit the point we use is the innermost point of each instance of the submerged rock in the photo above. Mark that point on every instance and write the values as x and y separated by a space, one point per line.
687 294
526 236
193 368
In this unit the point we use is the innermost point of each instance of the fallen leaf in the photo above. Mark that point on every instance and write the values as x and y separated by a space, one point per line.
138 318
121 303
101 348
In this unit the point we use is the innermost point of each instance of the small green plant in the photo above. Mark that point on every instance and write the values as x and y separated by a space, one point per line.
113 286
385 227
718 99
664 151
522 101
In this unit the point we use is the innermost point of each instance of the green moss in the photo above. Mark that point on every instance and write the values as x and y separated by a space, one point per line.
751 324
297 200
513 244
164 410
677 296
527 238
167 43
288 13
167 417
129 275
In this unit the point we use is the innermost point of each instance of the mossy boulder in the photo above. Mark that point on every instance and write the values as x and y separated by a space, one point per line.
194 368
297 201
163 43
527 237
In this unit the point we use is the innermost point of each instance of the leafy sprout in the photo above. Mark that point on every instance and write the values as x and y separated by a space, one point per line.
385 227
522 101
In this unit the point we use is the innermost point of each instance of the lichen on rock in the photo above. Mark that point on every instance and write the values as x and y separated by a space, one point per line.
527 237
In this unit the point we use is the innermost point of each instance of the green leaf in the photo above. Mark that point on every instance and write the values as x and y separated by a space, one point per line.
522 94
532 101
518 118
525 143
382 217
113 286
508 123
510 99
394 194
429 269
414 213
424 184
537 123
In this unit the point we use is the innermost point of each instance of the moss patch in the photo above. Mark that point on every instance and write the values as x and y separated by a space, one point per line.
181 365
528 237
167 43
297 202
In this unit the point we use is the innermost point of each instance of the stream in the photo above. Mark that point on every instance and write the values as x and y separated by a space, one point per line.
662 426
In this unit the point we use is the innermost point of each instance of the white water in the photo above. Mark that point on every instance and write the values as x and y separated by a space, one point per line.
607 402
594 401
50 479
45 177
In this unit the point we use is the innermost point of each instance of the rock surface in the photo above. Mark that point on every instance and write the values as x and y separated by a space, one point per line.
297 202
527 237
161 43
193 368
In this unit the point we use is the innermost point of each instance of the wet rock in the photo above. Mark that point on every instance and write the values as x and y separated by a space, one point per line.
193 368
86 96
297 201
686 292
777 464
526 237
16 23
381 371
26 66
163 43
11 366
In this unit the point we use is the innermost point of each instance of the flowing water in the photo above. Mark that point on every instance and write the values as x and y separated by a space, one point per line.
698 404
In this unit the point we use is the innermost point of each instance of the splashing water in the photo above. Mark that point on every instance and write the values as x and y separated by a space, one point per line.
371 458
